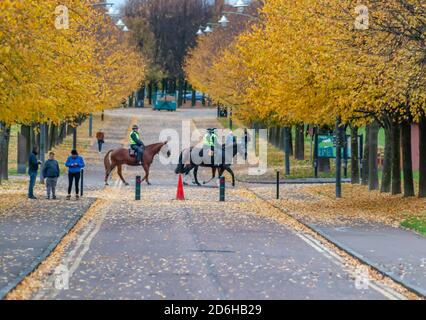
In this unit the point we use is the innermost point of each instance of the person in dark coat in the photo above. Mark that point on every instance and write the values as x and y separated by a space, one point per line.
33 165
51 173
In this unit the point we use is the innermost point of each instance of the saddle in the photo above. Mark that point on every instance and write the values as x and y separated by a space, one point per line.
132 153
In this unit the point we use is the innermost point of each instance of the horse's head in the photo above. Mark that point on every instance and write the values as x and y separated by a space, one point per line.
166 149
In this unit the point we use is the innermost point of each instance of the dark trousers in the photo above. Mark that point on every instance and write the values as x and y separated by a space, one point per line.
33 177
73 177
139 152
100 143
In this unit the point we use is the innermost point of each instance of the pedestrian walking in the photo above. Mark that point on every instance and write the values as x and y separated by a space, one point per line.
75 164
100 136
33 165
51 174
229 138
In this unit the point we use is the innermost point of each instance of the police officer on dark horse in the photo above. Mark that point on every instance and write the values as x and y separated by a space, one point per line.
144 156
221 160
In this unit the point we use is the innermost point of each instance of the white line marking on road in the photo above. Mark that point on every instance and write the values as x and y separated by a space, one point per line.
389 293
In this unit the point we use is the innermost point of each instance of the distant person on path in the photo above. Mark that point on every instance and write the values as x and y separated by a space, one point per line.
75 164
33 165
100 136
51 173
229 138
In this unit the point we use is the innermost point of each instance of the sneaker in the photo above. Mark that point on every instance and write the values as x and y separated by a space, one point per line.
68 197
48 198
32 198
54 198
77 197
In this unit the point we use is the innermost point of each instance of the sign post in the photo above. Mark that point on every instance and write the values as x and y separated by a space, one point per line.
278 184
222 189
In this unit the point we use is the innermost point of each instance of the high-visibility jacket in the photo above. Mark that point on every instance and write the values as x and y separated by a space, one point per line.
210 139
133 142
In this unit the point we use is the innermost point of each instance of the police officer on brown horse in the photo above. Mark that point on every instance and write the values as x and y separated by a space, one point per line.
136 144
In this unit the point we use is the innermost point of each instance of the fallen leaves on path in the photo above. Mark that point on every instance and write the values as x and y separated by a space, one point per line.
317 204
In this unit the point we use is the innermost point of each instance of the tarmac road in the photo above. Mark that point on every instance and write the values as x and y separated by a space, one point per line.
160 248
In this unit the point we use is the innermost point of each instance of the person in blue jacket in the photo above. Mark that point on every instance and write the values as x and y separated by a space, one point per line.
75 164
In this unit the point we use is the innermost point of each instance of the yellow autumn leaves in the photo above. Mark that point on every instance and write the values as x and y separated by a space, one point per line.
53 75
306 61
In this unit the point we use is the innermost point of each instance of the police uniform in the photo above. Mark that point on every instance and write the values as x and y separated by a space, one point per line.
136 144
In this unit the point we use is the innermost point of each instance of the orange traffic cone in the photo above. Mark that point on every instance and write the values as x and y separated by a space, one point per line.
180 194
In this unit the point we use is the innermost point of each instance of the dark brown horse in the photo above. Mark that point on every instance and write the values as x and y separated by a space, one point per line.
118 157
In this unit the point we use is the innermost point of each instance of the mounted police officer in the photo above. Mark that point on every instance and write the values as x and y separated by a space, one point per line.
209 143
136 144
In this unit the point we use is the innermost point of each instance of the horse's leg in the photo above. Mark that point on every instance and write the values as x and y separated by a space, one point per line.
196 176
108 173
146 169
120 174
228 168
213 175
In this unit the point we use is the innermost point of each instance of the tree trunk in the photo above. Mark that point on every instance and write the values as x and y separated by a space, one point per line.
300 142
365 158
422 153
396 159
180 93
193 98
24 148
4 150
290 132
387 162
373 172
150 88
185 88
407 162
354 155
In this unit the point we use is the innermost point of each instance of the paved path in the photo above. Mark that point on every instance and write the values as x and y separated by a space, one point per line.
159 248
30 229
399 252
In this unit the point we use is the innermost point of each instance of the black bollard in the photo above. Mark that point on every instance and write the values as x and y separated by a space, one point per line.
81 183
138 188
278 184
222 189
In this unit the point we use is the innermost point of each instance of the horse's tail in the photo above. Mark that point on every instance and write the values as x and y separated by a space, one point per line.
180 166
107 161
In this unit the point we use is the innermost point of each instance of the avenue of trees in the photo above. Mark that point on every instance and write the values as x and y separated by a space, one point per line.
315 61
54 73
164 31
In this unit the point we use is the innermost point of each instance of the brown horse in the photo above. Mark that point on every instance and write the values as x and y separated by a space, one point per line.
118 157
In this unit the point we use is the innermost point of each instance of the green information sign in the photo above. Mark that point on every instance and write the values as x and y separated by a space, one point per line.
326 146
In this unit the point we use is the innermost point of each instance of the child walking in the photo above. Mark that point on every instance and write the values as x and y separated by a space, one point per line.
75 164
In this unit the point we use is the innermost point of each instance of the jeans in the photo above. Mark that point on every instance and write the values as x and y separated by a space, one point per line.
33 178
73 177
51 186
100 143
139 152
